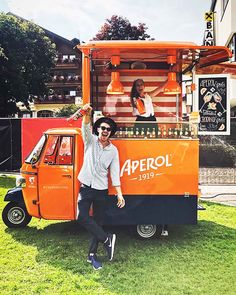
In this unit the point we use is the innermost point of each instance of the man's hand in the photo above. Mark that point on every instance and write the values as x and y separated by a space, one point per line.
121 201
87 108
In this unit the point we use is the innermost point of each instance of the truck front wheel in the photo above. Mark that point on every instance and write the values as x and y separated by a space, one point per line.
15 216
146 231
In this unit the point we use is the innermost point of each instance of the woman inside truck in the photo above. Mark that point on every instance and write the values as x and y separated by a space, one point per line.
146 111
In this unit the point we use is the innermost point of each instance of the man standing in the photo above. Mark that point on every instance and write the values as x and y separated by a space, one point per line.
100 157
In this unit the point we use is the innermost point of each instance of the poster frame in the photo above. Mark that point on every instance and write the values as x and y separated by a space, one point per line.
196 102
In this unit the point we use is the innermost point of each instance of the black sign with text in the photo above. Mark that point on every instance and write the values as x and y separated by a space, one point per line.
212 101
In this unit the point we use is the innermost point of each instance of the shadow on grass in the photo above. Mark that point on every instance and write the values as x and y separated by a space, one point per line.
65 244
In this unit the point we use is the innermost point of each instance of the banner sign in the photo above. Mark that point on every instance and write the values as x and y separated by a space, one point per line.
209 39
213 104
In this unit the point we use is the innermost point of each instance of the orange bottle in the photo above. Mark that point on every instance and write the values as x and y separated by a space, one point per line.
140 106
78 114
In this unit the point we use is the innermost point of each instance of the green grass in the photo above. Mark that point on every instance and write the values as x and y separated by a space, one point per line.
50 258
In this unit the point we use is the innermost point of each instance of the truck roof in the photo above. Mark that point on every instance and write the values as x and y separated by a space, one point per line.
157 51
64 130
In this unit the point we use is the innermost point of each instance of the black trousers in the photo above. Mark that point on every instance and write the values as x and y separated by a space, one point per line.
87 197
145 126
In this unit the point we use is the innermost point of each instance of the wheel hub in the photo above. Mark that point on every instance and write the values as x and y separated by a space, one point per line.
16 215
146 230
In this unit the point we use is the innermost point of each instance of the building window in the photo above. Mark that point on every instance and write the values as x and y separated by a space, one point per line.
24 114
72 93
45 113
65 58
223 7
72 58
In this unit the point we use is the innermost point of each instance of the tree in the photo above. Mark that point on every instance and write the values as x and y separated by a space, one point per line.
119 28
26 57
67 110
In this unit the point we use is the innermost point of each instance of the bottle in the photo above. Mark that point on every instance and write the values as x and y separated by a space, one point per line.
169 132
186 132
142 133
132 132
126 132
160 131
153 133
121 132
136 132
164 132
78 114
176 133
118 133
129 133
140 106
148 134
192 131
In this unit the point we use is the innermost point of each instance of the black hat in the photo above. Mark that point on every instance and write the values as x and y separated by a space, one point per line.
107 120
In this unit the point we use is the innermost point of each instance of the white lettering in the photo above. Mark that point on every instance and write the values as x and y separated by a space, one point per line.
167 161
135 165
162 161
143 164
150 162
146 164
126 167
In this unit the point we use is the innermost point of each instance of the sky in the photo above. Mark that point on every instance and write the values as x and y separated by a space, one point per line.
167 20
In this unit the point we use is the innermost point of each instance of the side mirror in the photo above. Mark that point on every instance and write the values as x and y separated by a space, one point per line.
33 160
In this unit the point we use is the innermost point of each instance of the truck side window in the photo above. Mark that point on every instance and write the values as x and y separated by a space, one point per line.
51 150
64 156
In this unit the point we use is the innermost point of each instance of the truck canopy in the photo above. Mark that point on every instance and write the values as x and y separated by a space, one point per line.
187 54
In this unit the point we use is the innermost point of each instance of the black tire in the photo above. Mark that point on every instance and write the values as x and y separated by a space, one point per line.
15 216
146 231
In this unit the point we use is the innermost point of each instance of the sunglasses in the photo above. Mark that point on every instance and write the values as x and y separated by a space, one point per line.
105 128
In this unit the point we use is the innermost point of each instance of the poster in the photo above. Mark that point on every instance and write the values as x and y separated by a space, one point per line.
213 104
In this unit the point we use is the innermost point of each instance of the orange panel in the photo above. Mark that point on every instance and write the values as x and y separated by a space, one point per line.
56 193
30 192
158 167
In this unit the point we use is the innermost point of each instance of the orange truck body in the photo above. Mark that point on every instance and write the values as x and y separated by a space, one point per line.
161 168
159 176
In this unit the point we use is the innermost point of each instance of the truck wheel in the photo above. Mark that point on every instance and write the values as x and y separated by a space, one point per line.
15 216
146 231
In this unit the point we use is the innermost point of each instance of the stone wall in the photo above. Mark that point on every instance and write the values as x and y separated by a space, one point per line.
213 176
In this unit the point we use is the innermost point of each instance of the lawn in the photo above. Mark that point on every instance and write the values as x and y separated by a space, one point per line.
50 258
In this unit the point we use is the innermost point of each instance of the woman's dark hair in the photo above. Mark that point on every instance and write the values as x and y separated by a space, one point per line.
134 93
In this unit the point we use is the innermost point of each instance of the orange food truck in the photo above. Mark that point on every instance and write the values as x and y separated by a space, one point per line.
159 169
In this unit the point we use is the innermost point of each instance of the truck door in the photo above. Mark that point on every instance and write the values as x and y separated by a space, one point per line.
56 177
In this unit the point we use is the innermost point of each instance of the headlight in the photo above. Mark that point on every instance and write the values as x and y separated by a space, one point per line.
20 181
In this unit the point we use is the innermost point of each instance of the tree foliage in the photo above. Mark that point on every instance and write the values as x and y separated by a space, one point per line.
26 56
67 110
120 28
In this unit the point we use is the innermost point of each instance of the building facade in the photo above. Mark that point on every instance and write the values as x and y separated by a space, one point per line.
225 35
65 83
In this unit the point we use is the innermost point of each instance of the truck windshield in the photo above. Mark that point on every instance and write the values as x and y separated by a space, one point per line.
35 154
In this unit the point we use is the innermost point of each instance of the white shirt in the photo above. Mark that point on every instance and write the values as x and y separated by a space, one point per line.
98 161
148 107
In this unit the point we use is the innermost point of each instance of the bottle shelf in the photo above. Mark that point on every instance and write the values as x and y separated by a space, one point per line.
160 130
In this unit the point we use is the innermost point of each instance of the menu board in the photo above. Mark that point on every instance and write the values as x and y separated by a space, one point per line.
213 104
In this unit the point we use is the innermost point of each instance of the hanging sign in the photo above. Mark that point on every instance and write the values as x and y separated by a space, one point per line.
213 104
209 39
